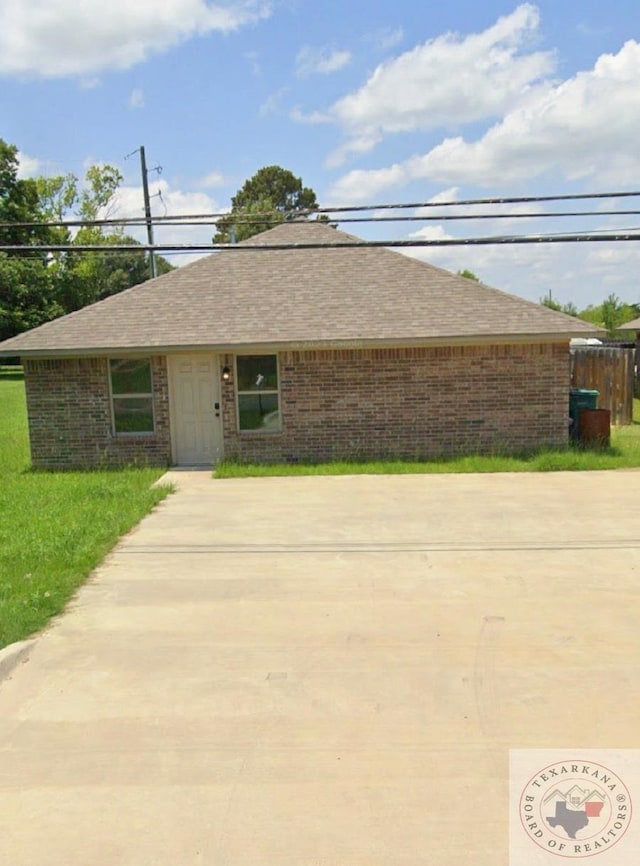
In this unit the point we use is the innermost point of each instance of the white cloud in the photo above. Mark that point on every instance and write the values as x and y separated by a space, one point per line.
362 185
587 29
503 216
579 273
355 145
525 270
584 128
64 37
616 264
449 80
130 202
385 38
273 102
173 202
136 98
28 166
214 178
431 233
314 117
320 61
573 272
445 195
253 58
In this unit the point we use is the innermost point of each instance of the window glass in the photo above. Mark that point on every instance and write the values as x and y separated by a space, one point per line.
130 376
258 398
132 395
257 373
258 411
133 414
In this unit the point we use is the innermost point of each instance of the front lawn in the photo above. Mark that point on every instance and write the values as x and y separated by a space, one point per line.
54 527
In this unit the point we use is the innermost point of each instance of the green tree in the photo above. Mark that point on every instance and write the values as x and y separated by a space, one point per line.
57 195
550 302
85 277
610 314
97 197
468 275
263 202
28 295
38 286
92 276
569 309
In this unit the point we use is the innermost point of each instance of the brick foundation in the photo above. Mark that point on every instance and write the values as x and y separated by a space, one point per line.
70 424
411 403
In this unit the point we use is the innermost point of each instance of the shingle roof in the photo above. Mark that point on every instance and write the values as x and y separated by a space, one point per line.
337 295
633 325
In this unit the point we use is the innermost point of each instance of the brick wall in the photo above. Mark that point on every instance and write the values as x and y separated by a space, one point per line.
411 403
70 422
421 402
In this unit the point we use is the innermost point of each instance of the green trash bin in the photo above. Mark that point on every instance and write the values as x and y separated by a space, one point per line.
580 398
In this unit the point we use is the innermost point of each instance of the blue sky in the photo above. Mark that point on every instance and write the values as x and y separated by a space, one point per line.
369 101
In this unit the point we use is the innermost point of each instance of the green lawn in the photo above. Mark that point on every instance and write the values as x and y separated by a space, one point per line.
54 527
623 453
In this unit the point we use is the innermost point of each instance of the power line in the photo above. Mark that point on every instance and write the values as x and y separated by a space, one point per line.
200 220
474 201
582 237
248 219
486 216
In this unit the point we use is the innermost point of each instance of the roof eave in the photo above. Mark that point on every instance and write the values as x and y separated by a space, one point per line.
297 345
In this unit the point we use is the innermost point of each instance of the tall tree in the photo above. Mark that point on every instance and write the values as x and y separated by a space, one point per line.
111 272
36 287
610 314
28 295
88 272
85 277
264 201
613 313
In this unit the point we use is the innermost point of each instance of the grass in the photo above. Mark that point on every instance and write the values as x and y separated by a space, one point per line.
624 453
55 527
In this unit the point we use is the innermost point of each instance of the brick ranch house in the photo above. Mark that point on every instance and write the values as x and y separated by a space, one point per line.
296 354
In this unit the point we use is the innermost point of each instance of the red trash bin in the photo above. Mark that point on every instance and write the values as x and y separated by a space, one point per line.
594 427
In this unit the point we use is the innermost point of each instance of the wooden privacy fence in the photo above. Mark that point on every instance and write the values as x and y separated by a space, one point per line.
609 371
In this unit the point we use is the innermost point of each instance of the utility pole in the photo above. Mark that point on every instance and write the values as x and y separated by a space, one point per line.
147 210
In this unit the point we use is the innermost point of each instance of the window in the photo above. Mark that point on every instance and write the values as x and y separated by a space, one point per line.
258 398
131 395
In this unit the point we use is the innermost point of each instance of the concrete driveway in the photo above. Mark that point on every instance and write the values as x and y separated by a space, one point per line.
324 672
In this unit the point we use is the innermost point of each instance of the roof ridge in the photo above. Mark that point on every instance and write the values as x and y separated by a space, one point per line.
309 225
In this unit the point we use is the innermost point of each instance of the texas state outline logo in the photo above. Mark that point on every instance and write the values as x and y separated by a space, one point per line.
575 808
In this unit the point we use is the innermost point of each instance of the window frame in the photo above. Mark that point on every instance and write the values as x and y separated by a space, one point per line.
113 396
257 431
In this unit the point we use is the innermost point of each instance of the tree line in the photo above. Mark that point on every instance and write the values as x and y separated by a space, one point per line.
611 314
36 287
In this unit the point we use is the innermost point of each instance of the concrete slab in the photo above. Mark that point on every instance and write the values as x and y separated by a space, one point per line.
314 671
13 655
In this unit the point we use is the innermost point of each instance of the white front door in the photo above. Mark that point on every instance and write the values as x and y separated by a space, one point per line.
196 421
